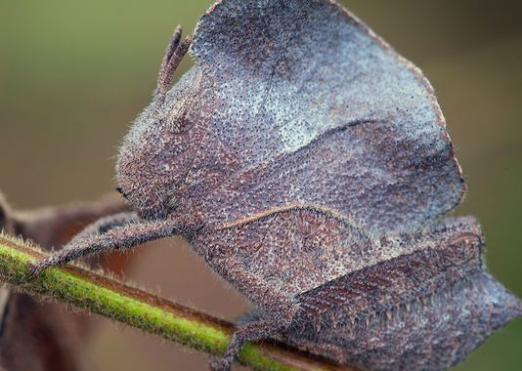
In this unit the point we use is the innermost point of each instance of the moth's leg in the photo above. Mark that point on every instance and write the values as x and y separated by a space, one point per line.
55 226
105 224
255 331
176 50
118 232
279 314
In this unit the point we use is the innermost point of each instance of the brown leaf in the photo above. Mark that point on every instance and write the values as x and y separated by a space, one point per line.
44 336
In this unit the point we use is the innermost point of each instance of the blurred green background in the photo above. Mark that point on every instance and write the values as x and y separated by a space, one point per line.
74 74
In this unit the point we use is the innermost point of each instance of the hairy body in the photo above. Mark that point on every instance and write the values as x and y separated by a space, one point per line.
310 165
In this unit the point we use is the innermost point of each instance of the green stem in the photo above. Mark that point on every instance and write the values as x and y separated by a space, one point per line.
107 297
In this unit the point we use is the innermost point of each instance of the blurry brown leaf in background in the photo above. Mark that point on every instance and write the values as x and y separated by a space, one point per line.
46 336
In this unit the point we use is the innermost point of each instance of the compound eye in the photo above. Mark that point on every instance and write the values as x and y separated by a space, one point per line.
120 191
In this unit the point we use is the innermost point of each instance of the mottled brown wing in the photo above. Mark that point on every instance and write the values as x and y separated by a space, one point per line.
311 107
421 311
293 251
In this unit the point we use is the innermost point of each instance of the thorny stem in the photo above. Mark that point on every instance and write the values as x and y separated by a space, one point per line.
105 296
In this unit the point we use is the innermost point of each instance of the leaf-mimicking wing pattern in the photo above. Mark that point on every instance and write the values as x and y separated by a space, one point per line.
309 164
316 109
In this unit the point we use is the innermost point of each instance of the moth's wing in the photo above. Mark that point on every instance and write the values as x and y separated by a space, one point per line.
314 108
285 253
424 310
293 251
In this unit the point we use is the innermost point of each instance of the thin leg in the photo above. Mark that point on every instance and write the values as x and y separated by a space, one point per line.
105 224
122 231
255 331
174 53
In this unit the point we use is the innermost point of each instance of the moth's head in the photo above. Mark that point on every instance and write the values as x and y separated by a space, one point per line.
146 170
151 165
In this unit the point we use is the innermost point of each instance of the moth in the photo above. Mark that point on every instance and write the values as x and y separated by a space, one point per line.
310 166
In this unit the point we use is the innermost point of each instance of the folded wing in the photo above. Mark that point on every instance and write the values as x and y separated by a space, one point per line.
316 109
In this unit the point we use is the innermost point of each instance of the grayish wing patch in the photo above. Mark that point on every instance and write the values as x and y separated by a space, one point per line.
285 74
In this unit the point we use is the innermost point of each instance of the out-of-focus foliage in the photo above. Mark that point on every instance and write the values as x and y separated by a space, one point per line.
73 74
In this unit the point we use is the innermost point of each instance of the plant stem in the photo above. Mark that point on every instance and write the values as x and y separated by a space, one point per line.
105 296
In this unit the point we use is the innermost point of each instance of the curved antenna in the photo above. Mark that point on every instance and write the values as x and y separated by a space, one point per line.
174 53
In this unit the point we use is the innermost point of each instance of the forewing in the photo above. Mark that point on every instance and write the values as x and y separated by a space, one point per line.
317 109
